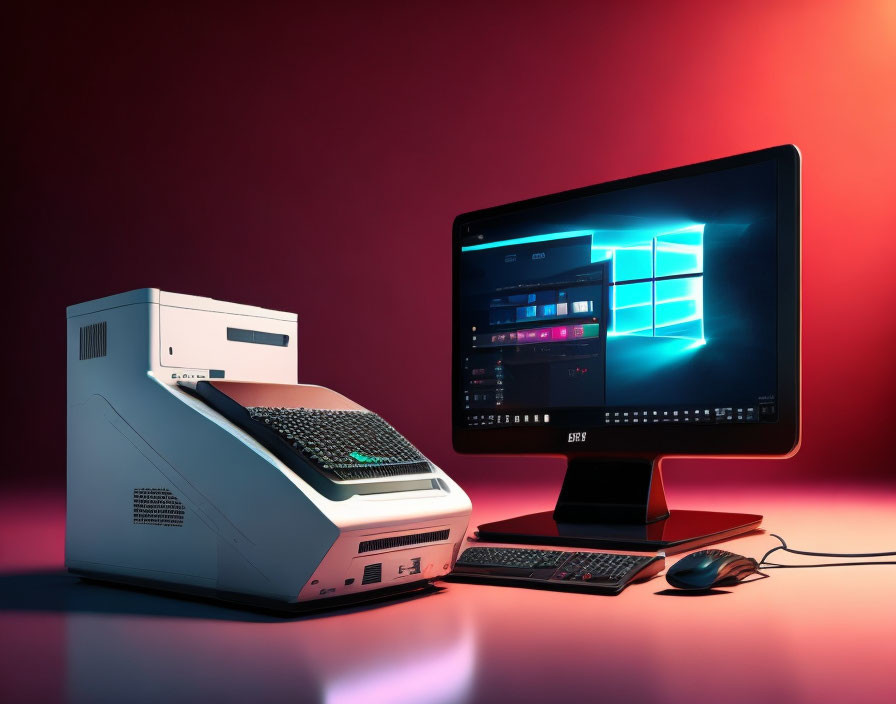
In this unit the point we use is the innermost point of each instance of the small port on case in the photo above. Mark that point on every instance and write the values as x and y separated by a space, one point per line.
413 568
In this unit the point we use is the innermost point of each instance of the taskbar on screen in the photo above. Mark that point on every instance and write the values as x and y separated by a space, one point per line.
758 412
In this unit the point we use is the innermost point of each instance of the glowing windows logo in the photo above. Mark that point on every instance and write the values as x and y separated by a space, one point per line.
656 285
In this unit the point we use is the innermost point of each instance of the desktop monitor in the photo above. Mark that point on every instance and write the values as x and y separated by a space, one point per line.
621 323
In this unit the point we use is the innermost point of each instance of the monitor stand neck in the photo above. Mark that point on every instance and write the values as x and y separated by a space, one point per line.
617 504
612 491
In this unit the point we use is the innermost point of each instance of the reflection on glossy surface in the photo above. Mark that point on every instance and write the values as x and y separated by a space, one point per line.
798 636
437 672
400 651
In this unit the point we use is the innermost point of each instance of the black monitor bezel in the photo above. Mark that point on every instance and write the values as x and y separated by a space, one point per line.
767 438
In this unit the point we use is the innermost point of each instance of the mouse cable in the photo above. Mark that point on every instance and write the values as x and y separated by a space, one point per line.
764 564
776 565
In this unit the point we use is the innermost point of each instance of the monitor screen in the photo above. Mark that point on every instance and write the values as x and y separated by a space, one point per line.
640 306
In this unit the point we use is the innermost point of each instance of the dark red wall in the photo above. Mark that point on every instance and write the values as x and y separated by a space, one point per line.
312 160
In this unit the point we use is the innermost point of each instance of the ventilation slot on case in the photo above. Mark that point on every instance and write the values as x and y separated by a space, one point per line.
93 341
402 541
157 507
373 574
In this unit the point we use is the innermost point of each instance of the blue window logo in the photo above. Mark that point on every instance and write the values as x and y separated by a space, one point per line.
656 285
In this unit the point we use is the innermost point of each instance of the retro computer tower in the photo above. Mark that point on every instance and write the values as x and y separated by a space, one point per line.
196 463
620 323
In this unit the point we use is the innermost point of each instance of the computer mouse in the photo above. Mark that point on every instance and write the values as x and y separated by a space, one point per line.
705 569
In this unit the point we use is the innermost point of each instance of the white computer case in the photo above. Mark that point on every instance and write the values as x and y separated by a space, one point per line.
165 491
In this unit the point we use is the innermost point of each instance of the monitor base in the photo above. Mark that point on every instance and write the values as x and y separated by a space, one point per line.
681 530
618 504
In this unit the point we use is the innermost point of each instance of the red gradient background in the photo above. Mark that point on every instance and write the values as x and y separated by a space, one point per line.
312 158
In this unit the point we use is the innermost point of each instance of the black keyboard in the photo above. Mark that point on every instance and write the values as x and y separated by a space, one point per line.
347 444
599 572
